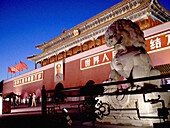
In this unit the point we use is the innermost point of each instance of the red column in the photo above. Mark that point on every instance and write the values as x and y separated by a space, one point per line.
100 40
81 47
56 57
88 45
72 51
150 21
35 65
48 61
94 42
65 54
41 63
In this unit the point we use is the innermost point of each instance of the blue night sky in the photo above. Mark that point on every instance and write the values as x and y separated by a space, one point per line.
27 23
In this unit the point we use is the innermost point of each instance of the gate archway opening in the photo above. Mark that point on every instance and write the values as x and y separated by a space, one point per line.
59 96
90 83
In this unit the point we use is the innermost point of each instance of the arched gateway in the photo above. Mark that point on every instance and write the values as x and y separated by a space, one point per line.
58 94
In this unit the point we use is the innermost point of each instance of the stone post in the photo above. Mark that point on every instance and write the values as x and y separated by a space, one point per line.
1 105
43 102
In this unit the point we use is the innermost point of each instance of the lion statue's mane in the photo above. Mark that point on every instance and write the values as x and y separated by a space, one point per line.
131 60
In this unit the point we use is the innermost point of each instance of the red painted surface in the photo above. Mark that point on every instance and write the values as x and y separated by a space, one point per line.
76 77
161 57
73 76
21 90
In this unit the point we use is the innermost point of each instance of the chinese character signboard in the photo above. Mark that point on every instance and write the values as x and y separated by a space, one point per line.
58 71
97 59
158 42
29 79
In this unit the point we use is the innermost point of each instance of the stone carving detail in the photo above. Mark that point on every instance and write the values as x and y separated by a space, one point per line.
102 109
118 101
131 60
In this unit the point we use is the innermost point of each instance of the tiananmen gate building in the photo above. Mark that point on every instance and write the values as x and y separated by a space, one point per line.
80 55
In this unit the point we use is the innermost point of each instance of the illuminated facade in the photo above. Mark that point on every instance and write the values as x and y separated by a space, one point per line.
83 55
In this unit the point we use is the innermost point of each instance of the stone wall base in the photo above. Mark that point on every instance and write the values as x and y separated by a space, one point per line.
129 103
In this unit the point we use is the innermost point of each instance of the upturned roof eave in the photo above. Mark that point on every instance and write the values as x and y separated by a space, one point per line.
40 46
162 7
34 57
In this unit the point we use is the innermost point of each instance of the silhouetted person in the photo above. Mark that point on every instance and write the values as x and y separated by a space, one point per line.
30 100
14 98
38 100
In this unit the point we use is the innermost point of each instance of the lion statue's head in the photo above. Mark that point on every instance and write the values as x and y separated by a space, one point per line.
124 33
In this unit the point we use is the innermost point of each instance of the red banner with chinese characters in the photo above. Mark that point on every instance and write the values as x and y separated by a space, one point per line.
97 59
29 79
158 42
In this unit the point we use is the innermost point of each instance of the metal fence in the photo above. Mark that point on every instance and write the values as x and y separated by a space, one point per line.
98 109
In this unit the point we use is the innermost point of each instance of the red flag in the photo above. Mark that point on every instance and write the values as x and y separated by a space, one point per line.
19 67
23 65
10 71
14 69
13 72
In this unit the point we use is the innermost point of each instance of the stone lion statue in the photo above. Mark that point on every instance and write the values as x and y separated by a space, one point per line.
131 60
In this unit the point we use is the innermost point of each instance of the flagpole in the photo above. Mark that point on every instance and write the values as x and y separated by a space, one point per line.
11 72
15 67
7 75
18 68
16 71
19 72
